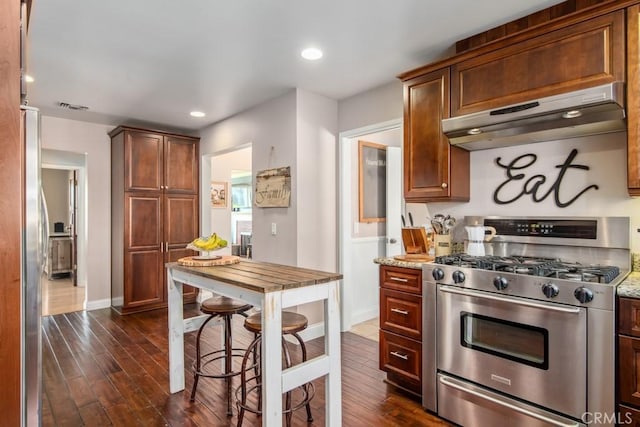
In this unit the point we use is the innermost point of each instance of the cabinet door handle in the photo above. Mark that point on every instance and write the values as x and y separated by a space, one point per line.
399 279
397 310
161 246
444 185
399 355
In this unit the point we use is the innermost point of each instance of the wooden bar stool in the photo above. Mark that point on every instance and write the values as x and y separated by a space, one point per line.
292 323
225 308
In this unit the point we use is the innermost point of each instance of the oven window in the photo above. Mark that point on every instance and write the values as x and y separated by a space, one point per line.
514 341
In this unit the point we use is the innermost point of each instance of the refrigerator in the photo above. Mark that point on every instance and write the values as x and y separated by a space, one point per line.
31 253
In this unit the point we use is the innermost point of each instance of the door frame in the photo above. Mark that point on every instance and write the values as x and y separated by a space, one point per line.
345 197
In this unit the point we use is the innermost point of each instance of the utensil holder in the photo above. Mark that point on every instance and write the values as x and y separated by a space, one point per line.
442 244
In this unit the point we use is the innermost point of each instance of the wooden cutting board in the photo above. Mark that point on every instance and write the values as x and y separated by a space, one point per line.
189 261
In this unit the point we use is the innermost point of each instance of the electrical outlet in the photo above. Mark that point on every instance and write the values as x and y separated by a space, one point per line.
273 229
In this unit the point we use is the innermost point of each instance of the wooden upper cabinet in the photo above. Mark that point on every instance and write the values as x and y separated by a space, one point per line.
181 165
143 161
633 100
433 170
578 56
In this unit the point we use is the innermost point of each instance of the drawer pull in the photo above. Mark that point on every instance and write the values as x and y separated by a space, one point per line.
399 355
397 310
399 279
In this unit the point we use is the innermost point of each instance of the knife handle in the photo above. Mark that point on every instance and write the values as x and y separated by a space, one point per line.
410 219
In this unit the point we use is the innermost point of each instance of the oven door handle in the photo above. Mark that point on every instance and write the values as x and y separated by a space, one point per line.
517 301
449 382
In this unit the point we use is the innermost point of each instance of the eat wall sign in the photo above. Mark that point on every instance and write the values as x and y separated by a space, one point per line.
518 182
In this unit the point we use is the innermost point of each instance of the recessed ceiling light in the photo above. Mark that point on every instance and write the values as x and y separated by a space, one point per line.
197 114
28 78
311 53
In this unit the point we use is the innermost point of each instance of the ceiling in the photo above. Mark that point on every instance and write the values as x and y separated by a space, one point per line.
154 61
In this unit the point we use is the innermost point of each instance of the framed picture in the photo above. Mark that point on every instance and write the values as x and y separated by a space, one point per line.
372 182
219 194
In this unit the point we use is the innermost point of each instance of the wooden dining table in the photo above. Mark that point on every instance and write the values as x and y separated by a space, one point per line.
272 288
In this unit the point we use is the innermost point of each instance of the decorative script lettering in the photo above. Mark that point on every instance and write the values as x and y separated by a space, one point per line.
533 185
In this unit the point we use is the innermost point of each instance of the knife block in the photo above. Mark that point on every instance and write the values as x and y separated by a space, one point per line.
415 240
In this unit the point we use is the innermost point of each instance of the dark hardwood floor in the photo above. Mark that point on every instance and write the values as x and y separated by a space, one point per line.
102 369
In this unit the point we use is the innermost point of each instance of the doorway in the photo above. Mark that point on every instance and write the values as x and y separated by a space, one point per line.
360 243
63 284
230 170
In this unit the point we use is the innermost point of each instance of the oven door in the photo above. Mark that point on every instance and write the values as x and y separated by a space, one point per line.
529 349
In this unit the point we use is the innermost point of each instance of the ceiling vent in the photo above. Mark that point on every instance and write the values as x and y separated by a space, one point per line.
75 107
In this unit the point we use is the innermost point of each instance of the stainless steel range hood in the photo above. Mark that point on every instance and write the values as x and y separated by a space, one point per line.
584 112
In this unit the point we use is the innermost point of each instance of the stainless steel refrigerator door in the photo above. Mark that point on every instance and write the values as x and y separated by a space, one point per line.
31 273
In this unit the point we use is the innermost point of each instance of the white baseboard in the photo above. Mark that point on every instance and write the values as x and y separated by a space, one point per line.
313 331
365 315
95 305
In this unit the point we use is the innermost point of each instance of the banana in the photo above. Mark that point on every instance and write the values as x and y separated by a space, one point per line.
210 243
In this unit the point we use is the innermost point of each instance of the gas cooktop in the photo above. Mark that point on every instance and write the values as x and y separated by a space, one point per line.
535 266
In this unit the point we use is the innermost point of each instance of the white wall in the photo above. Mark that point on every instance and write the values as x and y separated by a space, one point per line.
93 141
377 105
316 181
298 130
605 155
270 128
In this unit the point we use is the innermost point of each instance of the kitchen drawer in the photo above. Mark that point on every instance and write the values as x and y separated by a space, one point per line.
401 279
401 313
401 358
629 317
628 416
629 370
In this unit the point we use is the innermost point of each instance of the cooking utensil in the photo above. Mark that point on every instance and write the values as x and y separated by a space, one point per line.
448 224
437 227
410 219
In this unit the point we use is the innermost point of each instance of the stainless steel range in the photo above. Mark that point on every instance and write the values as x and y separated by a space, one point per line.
525 334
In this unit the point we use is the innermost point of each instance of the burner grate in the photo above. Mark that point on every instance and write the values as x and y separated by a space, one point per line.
534 266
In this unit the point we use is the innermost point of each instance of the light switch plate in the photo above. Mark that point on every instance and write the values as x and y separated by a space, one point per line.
273 229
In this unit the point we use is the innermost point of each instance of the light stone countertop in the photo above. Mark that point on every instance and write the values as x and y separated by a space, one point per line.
630 287
398 263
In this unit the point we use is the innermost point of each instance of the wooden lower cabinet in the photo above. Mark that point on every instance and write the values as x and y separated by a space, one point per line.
401 359
401 327
629 361
628 416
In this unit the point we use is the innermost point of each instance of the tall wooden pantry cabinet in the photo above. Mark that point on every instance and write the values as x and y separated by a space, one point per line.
154 213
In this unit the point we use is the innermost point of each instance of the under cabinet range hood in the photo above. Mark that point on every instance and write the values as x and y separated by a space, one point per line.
584 112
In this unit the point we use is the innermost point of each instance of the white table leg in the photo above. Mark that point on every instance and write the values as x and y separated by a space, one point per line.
272 359
176 335
333 390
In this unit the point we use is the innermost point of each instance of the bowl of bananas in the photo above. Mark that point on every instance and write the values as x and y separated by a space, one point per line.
206 246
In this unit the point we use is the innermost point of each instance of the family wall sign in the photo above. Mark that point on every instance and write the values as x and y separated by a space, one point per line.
536 185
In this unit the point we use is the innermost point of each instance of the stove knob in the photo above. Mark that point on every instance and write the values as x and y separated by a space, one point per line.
500 283
550 290
583 295
437 274
458 276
